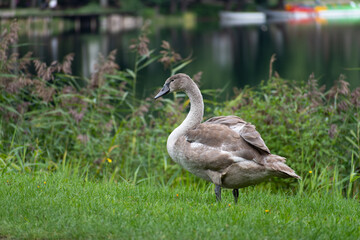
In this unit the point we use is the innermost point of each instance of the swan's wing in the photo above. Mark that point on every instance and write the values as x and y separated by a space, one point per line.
222 141
246 130
211 146
212 135
226 120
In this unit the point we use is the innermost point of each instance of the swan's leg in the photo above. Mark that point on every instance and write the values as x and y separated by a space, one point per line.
236 194
218 192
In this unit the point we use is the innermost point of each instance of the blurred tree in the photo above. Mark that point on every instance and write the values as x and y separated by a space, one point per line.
131 5
238 4
173 6
184 5
241 5
263 3
104 3
13 4
73 3
281 4
165 6
228 4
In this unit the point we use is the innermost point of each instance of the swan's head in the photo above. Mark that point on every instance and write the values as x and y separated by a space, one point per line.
178 82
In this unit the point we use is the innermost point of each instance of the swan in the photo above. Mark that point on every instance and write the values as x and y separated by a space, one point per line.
225 150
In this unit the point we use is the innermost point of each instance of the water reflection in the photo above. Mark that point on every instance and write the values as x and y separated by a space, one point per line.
222 47
236 56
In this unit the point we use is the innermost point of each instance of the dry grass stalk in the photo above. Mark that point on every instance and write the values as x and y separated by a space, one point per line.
341 87
169 56
18 82
8 36
104 66
46 72
140 45
314 93
272 60
77 116
197 78
355 97
332 130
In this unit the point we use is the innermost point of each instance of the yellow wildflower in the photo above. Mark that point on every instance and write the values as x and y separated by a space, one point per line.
177 195
109 160
267 210
44 182
229 205
38 186
310 171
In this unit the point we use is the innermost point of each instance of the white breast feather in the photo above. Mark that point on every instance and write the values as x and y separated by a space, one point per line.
196 145
237 128
239 159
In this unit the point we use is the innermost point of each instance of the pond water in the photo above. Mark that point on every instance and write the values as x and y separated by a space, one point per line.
227 56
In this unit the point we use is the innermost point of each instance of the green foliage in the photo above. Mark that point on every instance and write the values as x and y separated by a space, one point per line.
53 121
315 130
206 10
148 13
63 206
131 5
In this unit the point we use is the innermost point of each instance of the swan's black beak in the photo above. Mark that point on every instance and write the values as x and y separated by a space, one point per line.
165 90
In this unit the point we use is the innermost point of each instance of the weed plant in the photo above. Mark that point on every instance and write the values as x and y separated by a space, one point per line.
97 128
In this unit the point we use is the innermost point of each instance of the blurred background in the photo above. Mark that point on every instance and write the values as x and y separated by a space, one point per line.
230 50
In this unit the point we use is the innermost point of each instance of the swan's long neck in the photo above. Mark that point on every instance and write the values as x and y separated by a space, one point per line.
193 118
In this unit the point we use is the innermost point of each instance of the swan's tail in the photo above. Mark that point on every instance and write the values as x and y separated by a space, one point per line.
277 164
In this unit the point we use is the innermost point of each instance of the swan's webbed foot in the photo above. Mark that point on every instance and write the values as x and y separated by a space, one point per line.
236 194
218 192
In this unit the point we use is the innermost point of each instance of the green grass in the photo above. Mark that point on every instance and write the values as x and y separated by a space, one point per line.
69 207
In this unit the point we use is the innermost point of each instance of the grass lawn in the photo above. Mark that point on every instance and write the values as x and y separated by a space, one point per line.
59 206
